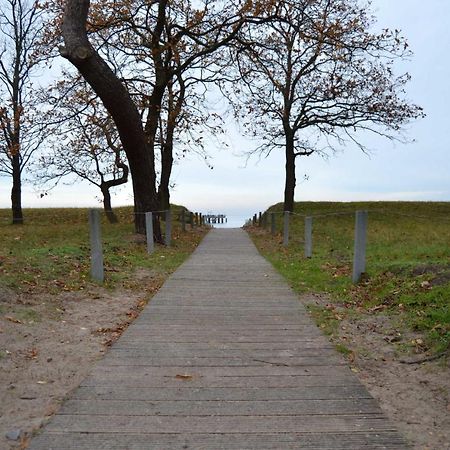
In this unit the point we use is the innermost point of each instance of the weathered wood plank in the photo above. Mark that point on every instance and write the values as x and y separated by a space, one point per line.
308 348
325 356
209 441
220 407
207 393
225 424
274 382
234 371
112 360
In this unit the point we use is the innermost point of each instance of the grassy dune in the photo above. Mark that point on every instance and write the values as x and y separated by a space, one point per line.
408 262
50 252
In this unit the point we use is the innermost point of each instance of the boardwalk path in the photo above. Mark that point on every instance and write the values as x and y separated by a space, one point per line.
224 357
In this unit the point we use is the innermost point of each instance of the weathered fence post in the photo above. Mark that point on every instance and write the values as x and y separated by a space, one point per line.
168 227
260 219
149 232
200 217
192 220
308 237
286 229
97 270
272 224
183 220
359 257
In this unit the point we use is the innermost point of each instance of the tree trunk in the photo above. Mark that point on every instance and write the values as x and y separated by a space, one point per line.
118 103
112 218
290 182
16 192
166 171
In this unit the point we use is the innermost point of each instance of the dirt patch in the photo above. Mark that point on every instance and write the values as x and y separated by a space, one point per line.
48 344
416 397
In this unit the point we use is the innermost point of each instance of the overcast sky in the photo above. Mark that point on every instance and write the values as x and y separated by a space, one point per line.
416 171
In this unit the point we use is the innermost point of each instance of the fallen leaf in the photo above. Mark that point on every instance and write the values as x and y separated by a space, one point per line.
184 377
12 319
41 382
32 353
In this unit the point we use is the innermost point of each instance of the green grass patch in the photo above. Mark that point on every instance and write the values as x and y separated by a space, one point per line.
408 260
28 315
50 252
325 319
343 350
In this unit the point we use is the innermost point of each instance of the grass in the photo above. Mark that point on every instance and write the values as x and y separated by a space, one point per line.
408 261
50 251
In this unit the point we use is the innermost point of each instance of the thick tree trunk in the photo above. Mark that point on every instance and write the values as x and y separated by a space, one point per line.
175 107
16 192
119 104
290 181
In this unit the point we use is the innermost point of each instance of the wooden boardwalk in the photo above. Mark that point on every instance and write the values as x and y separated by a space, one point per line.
224 357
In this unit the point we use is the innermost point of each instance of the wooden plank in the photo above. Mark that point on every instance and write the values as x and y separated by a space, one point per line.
209 441
111 360
220 407
307 348
187 393
274 382
325 356
234 371
225 424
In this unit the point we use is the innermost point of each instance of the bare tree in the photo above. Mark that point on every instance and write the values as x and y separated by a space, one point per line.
314 77
159 41
20 132
83 144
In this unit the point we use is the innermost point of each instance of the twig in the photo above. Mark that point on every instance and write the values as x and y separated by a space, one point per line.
272 363
425 359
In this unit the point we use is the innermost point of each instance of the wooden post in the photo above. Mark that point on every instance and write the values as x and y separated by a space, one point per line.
308 237
286 229
97 270
149 232
196 218
192 220
260 219
168 227
272 223
201 219
183 220
359 257
254 219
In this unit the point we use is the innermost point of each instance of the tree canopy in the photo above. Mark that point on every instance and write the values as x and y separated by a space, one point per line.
316 76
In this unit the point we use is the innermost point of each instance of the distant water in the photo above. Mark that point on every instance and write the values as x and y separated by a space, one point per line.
232 222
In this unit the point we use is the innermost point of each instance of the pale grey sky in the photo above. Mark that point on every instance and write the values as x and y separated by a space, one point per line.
416 171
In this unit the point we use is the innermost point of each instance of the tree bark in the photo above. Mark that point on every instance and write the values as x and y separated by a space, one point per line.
112 218
290 181
164 191
166 171
118 103
16 191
